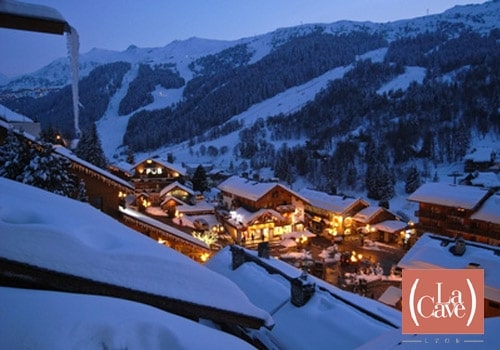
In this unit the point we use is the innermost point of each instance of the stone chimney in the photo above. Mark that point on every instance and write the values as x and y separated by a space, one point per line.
263 250
302 290
238 255
459 247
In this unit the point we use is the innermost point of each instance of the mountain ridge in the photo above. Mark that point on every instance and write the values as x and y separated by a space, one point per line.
89 59
226 83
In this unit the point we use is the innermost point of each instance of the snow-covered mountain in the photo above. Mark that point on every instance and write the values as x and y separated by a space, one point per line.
481 18
208 101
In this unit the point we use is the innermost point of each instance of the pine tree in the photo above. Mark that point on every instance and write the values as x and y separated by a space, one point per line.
48 171
89 148
14 156
199 179
412 180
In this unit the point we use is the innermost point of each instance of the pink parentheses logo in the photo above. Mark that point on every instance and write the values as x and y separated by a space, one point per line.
443 301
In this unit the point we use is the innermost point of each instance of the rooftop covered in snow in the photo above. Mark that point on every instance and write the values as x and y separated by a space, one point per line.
432 252
489 211
333 203
251 189
54 233
331 319
456 196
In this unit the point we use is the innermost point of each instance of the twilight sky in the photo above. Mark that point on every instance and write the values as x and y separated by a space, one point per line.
116 24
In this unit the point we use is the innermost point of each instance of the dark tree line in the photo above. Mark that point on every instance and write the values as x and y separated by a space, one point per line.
211 99
432 122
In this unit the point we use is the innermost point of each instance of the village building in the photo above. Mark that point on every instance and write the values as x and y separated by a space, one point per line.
481 159
456 210
104 190
262 225
488 179
188 208
265 209
151 175
330 214
487 218
435 252
175 194
380 224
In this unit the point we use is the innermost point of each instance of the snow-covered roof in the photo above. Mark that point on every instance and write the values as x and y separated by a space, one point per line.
391 296
332 203
162 226
189 220
364 215
59 321
72 157
486 179
329 320
175 199
391 226
201 206
165 164
173 185
480 155
428 252
123 166
251 189
11 116
455 196
30 10
489 211
68 236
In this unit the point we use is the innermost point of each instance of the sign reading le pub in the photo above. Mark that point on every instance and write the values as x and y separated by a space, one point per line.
443 301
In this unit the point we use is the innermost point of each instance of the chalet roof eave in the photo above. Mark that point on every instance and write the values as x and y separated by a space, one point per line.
31 17
21 274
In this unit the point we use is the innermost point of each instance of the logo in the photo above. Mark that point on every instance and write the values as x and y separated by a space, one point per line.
442 301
